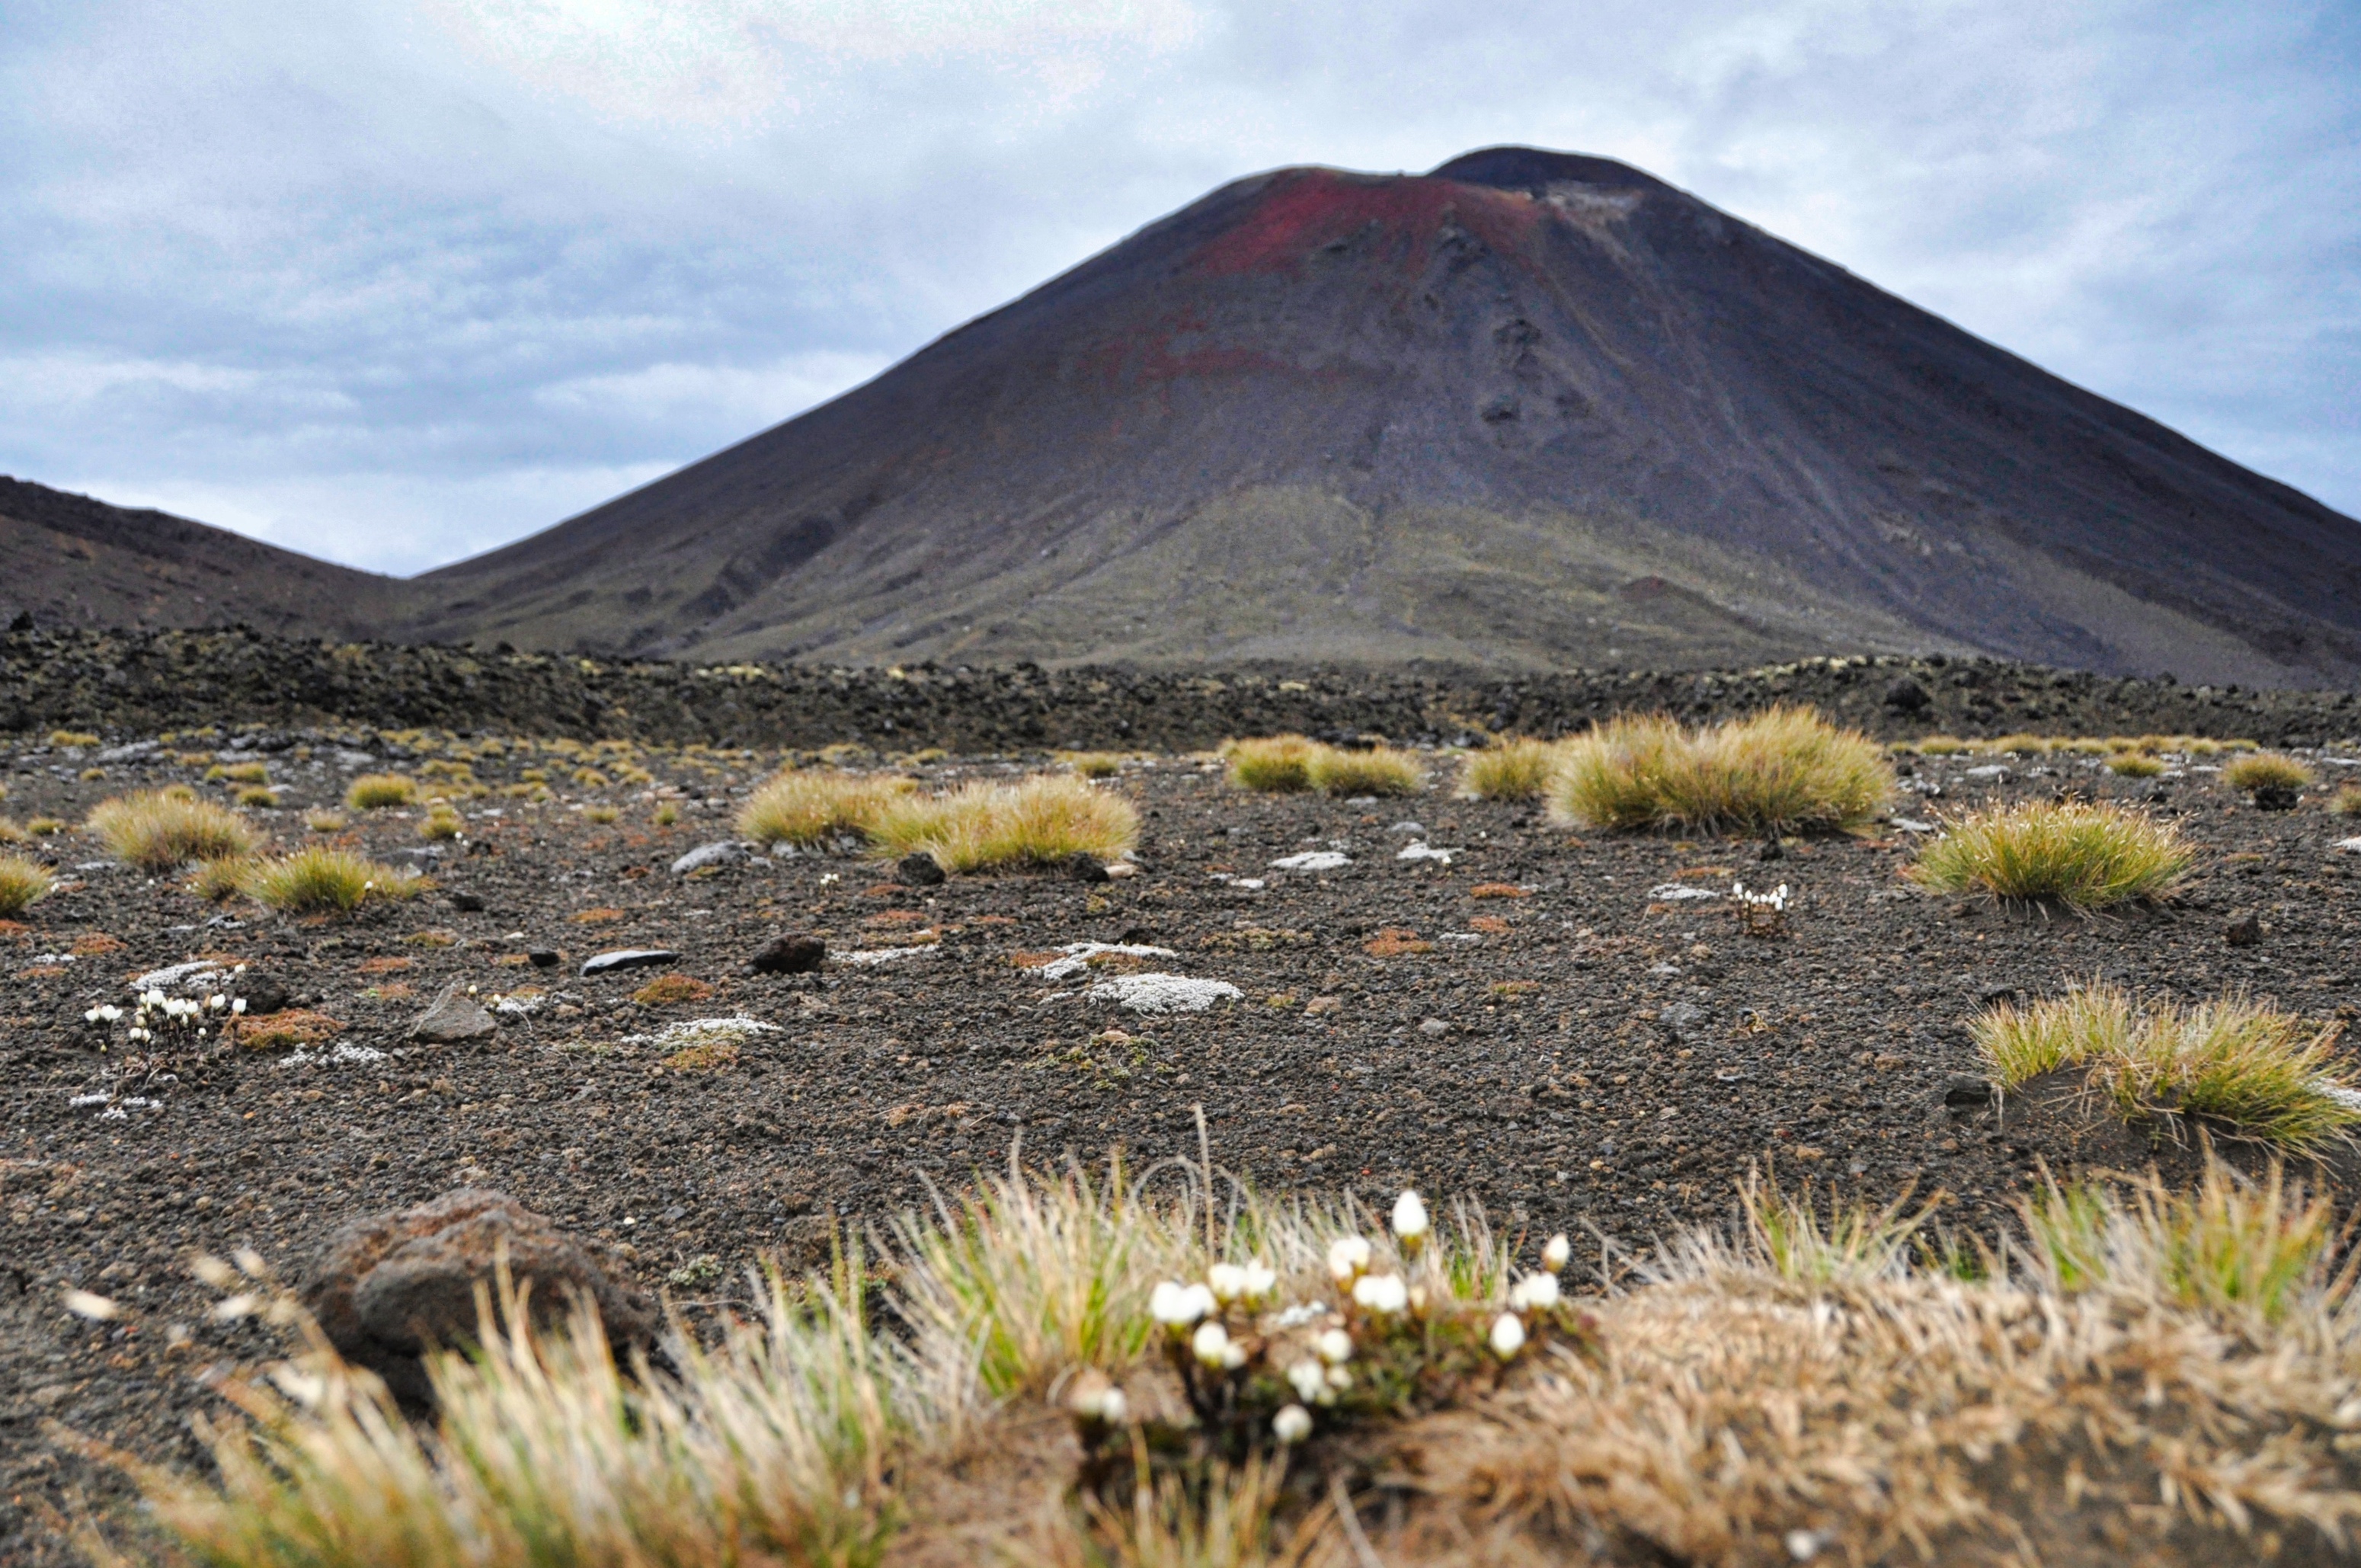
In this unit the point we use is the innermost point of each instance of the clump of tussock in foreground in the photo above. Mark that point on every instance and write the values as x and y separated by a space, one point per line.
1514 768
1783 768
23 884
2262 773
811 805
1291 764
993 826
321 880
160 831
2259 1072
2086 855
1815 1368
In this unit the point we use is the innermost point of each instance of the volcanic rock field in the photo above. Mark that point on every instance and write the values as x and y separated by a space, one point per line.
1570 1028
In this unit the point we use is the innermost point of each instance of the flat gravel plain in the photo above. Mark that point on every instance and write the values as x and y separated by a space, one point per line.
1568 1028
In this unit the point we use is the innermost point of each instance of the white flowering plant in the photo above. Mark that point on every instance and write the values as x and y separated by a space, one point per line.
1759 914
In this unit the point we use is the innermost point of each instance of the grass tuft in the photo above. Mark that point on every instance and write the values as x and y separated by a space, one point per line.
2089 856
379 791
442 822
2262 771
2261 1073
1272 765
2134 765
321 880
1380 770
989 826
1093 764
159 832
222 879
1781 769
2346 801
1515 768
812 805
23 884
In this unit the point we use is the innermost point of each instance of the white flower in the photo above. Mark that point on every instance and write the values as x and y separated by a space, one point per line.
1508 1336
1558 1254
1228 1282
91 1016
1293 1424
1381 1293
1261 1280
1309 1379
1348 1256
1176 1305
1210 1346
1234 1355
1114 1407
1335 1347
1410 1219
1339 1378
237 1007
216 1002
1534 1292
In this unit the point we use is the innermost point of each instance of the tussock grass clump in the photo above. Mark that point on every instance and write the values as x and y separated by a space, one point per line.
1941 746
159 832
218 880
258 797
75 740
23 884
320 880
1514 768
380 792
1273 764
993 826
12 831
2346 801
2262 1073
2259 772
2134 765
1783 768
2020 745
1380 770
325 821
812 805
2086 855
1093 764
442 822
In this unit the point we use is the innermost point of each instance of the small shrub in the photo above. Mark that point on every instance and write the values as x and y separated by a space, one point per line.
1783 768
602 813
988 827
815 804
23 884
2267 1074
1274 764
2134 765
1513 768
442 823
379 791
324 821
159 832
669 990
2087 856
321 880
1381 770
2262 772
666 815
261 799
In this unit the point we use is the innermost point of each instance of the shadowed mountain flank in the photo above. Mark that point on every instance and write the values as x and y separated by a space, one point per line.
69 559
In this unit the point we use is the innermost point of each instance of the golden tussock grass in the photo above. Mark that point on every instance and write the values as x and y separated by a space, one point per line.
442 823
2346 801
811 805
990 827
1514 768
1274 764
2134 765
13 832
1093 764
2167 1372
2265 770
157 832
23 884
2086 855
1289 764
379 791
1783 768
2259 1072
322 880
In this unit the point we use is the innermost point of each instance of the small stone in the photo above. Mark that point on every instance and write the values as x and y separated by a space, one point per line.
2243 930
1680 1018
728 852
628 957
468 903
1313 860
1993 771
2275 798
543 957
1434 1026
416 857
920 869
452 1019
1083 866
393 1284
261 993
1771 850
1966 1089
795 954
1406 830
1117 870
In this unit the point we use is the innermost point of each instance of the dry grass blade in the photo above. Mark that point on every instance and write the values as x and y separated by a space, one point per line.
160 832
1783 768
2084 855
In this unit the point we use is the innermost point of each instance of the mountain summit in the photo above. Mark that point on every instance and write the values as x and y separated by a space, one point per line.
1530 408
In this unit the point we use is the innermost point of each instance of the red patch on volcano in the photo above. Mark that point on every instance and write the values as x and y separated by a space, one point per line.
1302 212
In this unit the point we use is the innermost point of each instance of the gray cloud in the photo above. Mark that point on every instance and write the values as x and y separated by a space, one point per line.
397 282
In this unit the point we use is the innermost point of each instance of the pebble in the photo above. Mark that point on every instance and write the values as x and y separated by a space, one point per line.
2243 930
728 852
628 957
468 903
1993 771
1164 993
1676 891
453 1018
1313 860
543 957
1422 851
1083 866
1434 1026
919 870
792 954
1406 830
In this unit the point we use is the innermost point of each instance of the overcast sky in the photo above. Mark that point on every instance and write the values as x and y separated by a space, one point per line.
394 282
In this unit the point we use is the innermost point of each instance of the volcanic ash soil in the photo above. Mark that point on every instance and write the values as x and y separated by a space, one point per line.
1569 1028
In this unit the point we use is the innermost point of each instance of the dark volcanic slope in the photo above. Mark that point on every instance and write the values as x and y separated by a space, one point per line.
69 560
1531 408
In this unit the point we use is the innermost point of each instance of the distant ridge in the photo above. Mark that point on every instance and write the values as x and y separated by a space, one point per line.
1532 410
69 560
